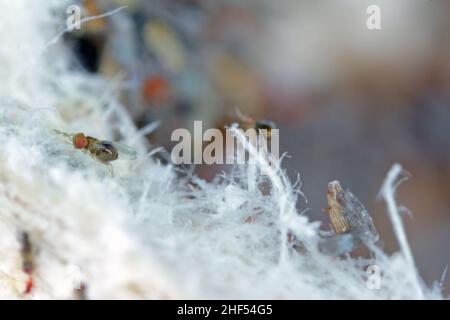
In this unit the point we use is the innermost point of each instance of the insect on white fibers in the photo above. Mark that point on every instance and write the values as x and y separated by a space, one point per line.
146 232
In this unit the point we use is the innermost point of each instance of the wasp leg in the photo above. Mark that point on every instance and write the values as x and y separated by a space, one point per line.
110 168
105 163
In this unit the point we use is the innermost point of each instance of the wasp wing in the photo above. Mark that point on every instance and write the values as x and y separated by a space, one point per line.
125 152
359 218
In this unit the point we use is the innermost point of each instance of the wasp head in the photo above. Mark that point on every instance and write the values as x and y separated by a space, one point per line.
80 141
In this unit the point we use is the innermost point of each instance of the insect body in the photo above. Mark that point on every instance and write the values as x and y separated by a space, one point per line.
348 214
352 223
267 125
102 150
27 261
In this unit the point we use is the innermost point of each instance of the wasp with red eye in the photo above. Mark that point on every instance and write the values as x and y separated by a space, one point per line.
103 151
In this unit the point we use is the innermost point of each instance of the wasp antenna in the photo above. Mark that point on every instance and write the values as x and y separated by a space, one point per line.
62 133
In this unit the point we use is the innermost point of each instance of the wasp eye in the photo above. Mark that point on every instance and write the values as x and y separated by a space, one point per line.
80 141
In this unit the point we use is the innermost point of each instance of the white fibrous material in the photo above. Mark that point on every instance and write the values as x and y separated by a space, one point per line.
148 231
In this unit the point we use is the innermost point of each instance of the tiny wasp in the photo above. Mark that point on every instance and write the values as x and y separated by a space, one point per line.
265 126
351 222
103 151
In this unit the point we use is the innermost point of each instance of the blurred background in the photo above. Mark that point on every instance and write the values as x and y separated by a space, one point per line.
349 102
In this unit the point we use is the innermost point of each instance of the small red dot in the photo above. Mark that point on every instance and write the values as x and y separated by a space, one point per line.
30 285
157 90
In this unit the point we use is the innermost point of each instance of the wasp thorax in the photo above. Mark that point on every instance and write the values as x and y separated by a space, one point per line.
265 126
106 151
80 141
